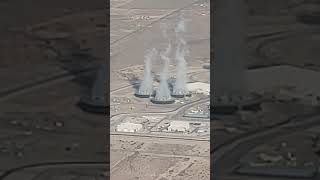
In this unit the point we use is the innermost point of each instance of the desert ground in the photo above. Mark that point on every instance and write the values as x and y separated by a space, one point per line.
277 137
48 61
154 152
49 54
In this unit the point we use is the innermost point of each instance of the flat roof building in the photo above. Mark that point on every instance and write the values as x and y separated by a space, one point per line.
179 126
129 127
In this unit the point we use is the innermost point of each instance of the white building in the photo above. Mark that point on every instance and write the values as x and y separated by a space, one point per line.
129 127
180 126
199 87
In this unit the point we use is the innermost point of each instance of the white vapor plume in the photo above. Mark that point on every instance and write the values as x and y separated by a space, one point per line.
163 93
164 28
146 85
180 86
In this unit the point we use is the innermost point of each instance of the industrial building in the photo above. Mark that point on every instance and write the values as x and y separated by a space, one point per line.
129 127
179 126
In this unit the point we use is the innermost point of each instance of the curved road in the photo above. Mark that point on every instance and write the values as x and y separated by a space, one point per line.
51 165
54 80
228 154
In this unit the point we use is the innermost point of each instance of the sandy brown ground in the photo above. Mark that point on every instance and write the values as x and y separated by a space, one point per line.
135 27
40 123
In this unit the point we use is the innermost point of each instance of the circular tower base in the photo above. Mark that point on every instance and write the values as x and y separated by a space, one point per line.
142 95
93 105
155 101
181 95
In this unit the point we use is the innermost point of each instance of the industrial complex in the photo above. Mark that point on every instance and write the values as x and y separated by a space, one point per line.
160 98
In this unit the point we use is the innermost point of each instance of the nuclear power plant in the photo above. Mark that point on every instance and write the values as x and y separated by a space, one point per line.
158 90
163 94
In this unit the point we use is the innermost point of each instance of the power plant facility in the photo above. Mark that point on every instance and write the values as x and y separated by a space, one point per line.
160 90
163 94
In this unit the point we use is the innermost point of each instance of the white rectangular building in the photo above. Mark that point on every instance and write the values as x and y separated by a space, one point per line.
179 126
129 127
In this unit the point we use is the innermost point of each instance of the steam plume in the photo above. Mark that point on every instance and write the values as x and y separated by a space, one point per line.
146 85
180 86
